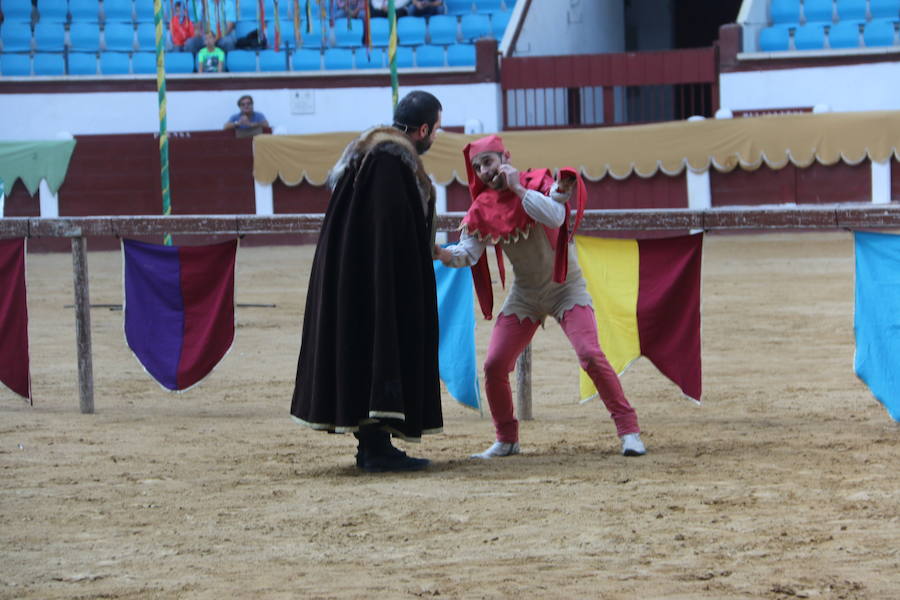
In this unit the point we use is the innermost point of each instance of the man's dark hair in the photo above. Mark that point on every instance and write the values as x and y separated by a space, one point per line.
416 109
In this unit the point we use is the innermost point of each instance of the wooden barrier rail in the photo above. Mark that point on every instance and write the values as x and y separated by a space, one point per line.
818 217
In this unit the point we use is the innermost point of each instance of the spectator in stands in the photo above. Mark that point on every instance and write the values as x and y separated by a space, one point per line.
380 8
219 19
247 122
211 58
181 27
355 9
426 8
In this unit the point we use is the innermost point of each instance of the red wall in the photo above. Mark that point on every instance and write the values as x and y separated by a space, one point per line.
211 173
816 184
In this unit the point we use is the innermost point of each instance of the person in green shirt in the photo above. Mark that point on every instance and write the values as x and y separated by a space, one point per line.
211 58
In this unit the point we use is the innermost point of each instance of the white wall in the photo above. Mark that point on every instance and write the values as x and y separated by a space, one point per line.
42 116
850 88
572 27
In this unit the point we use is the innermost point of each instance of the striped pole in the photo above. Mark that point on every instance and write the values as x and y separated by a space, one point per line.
163 136
392 54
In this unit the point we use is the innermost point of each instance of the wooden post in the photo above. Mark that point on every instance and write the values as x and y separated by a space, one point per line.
83 325
523 385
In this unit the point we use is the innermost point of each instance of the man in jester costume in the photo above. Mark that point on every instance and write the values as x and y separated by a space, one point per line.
525 215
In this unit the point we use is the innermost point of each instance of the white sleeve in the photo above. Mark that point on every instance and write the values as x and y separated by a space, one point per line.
547 210
466 252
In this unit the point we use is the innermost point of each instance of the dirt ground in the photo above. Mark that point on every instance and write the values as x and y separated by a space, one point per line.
782 484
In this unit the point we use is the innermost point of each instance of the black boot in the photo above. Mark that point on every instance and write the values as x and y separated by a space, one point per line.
376 454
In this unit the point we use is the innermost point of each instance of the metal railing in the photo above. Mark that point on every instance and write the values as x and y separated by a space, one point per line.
608 89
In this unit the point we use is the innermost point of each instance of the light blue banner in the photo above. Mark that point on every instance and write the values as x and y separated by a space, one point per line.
456 314
877 316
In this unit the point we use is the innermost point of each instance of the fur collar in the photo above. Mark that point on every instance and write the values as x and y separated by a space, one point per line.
388 139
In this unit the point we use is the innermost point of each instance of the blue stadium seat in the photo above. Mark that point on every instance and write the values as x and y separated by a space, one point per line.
313 38
119 37
461 55
49 37
475 26
143 11
429 56
879 33
287 34
499 21
885 9
775 38
270 60
845 34
242 28
404 57
84 37
146 36
84 11
411 31
338 58
144 63
16 37
306 59
371 60
284 9
785 11
241 61
118 11
459 7
82 63
178 62
809 37
443 30
15 65
114 63
818 11
248 11
49 64
854 10
17 11
53 12
488 6
381 32
348 38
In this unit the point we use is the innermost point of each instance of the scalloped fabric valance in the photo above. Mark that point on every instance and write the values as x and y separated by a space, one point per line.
621 152
33 161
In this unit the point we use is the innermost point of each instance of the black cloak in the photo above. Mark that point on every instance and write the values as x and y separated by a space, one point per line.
369 348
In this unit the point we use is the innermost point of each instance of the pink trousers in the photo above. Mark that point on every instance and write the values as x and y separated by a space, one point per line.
510 337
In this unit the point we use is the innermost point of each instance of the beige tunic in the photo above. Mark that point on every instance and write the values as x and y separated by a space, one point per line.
533 294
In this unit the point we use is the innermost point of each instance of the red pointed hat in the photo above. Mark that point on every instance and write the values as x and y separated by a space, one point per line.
491 143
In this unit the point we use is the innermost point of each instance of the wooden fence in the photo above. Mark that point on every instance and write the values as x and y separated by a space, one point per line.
78 229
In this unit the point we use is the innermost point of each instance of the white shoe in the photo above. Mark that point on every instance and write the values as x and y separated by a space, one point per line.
499 449
632 445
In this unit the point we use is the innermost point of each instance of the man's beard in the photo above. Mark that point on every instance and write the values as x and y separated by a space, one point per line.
423 145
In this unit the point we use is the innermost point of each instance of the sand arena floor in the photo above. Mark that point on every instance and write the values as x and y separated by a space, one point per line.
783 484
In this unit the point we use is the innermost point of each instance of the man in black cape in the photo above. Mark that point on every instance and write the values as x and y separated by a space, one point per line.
369 349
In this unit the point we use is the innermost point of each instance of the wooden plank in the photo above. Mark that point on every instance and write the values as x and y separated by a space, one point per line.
832 216
298 223
600 220
775 218
523 385
870 217
83 325
13 227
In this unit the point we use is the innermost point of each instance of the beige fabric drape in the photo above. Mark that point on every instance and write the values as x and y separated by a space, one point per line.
620 152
